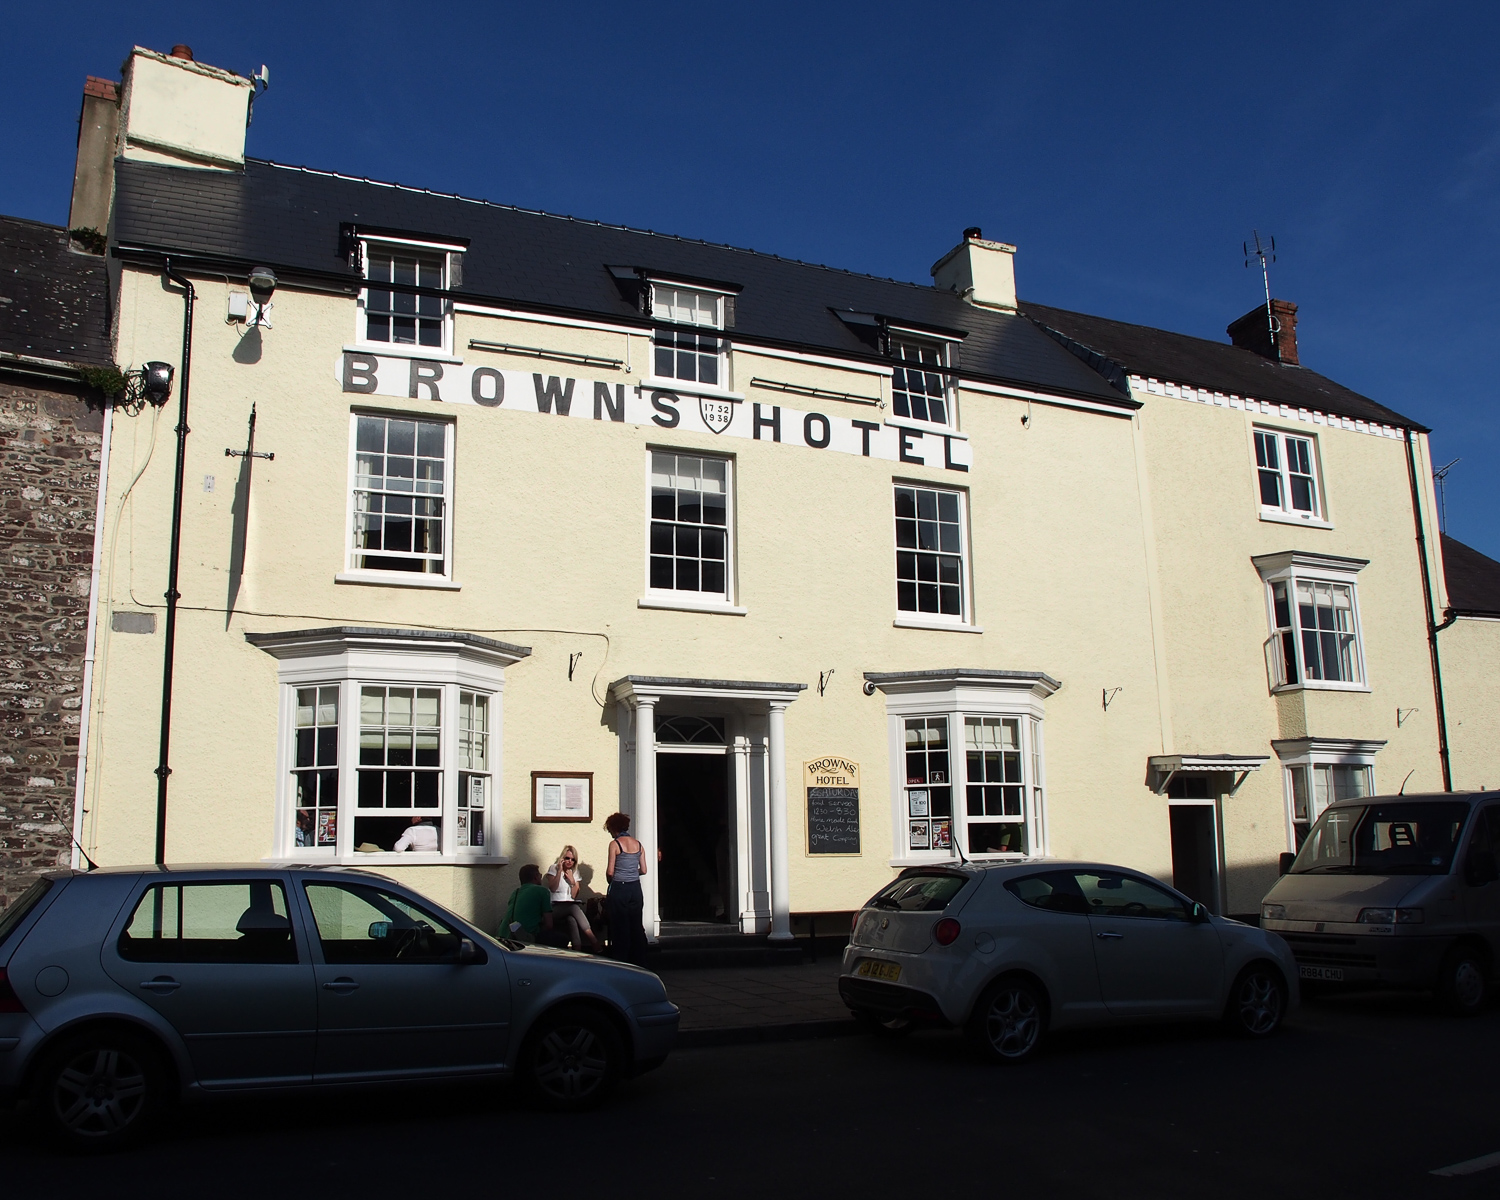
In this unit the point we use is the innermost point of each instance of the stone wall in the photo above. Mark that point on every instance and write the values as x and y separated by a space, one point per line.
49 461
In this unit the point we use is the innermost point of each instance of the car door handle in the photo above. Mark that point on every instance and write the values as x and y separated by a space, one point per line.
341 985
162 985
1114 937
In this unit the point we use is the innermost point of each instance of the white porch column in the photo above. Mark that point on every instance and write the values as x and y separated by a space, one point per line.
643 824
781 922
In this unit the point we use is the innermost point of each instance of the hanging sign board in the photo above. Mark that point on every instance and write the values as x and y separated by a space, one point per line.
832 786
728 415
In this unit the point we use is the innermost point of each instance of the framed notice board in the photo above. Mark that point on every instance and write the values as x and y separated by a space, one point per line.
831 785
562 795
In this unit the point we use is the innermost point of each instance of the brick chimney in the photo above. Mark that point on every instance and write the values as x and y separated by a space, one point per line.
94 168
1253 332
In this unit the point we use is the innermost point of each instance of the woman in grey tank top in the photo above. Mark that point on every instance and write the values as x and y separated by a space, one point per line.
624 901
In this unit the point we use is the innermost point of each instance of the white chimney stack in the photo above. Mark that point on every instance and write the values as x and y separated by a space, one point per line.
177 111
983 273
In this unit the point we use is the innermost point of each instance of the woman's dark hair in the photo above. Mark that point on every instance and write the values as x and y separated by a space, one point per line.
617 824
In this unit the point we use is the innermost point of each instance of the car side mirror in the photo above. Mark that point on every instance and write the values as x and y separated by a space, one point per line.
1480 867
1200 914
468 952
380 929
1288 857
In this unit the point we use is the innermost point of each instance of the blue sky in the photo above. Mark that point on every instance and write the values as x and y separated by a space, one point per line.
1127 149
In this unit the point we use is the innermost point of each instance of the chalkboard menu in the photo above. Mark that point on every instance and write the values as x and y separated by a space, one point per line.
832 787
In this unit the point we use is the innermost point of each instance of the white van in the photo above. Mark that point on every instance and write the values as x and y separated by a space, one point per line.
1396 890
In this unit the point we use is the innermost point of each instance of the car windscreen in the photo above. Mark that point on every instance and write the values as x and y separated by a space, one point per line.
1396 838
16 912
919 891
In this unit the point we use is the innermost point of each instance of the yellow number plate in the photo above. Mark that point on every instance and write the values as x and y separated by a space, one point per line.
873 968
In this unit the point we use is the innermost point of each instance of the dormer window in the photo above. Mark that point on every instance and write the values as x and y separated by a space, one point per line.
919 382
692 352
399 317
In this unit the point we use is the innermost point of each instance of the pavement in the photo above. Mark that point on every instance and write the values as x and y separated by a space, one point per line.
735 1005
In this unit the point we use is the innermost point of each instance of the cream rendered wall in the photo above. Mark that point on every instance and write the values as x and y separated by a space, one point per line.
550 534
180 112
1471 667
1208 528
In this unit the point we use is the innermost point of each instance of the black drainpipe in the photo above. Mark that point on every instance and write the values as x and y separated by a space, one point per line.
163 770
1432 628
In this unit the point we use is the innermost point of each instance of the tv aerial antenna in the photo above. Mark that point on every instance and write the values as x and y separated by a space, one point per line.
1265 252
1440 477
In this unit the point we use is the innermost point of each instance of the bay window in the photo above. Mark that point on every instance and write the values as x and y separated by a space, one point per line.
1319 771
392 745
1313 605
968 756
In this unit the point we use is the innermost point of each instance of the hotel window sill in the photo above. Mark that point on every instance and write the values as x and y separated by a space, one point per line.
1320 686
683 604
931 427
388 858
941 626
435 583
919 858
1285 518
404 350
683 387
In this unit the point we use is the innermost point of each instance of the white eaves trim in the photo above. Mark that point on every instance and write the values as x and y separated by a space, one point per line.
1265 408
1018 393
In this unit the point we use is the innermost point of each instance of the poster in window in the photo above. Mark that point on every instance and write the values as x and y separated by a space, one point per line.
917 800
328 827
920 833
562 795
942 835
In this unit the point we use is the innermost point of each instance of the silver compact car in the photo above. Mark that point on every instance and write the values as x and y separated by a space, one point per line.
1400 891
122 990
1009 952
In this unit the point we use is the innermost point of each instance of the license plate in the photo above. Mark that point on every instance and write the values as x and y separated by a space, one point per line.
1327 974
875 969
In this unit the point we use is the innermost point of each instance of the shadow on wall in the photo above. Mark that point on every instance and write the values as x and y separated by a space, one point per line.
489 888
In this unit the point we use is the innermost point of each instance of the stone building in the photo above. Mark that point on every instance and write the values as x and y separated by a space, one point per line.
54 329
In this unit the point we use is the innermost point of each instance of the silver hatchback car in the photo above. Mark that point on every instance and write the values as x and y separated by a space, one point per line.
1010 951
122 990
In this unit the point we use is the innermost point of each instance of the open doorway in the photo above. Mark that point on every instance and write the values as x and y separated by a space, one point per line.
1195 839
694 833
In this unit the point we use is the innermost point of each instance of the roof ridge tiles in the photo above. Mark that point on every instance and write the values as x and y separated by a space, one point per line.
540 212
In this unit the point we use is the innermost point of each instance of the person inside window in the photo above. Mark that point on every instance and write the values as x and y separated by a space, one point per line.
562 882
528 912
422 835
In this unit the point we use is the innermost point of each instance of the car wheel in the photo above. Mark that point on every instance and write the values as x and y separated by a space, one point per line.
573 1059
100 1090
1009 1021
1463 982
1257 1002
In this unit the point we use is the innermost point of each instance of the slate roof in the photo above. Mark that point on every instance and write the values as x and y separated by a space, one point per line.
1217 366
289 218
1473 579
54 302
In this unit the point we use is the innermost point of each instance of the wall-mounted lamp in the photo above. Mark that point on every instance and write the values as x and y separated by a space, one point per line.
148 384
262 285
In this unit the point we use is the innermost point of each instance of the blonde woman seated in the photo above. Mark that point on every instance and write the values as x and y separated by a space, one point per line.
562 881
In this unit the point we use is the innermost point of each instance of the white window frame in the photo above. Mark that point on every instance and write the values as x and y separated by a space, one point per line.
1288 569
671 598
959 695
1310 755
359 574
896 336
671 382
1284 512
915 618
446 251
351 659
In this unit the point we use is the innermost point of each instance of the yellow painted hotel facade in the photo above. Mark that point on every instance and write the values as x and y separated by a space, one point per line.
816 575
